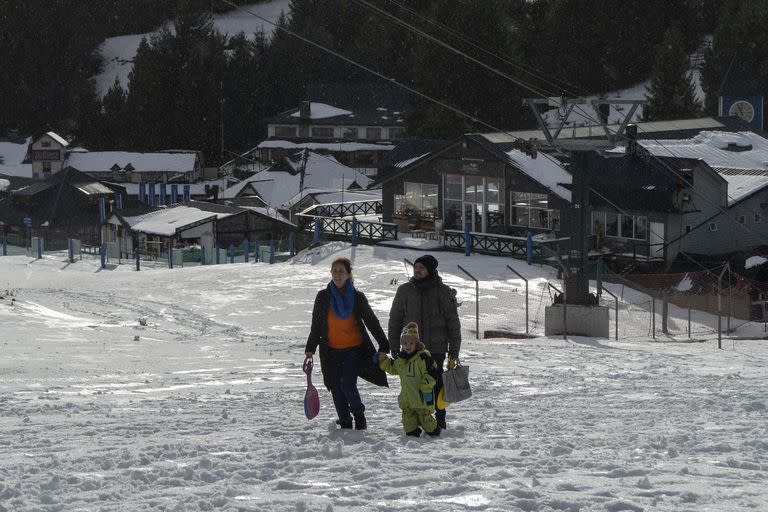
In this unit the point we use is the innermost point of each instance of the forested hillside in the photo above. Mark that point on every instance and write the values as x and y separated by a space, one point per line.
481 57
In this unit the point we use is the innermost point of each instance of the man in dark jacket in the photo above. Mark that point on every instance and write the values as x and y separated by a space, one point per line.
424 299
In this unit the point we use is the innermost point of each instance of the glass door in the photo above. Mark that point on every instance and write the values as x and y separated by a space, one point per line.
475 201
473 216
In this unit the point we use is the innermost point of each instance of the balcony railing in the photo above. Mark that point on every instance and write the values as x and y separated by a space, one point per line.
334 228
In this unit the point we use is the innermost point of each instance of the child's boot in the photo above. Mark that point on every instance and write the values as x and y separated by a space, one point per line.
414 433
434 433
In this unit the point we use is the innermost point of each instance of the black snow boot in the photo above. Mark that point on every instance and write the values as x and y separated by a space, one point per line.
414 433
360 422
434 433
345 422
441 423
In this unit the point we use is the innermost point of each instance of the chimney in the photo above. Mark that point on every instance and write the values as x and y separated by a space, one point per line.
305 111
736 147
631 139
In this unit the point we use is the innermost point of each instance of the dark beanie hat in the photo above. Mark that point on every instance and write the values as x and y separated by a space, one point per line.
428 261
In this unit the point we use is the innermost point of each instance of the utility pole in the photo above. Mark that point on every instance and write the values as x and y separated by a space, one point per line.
221 117
576 282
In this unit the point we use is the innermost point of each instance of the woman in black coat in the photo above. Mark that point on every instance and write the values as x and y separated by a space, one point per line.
341 319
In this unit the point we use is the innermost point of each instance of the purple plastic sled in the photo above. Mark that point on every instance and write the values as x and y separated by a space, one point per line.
311 398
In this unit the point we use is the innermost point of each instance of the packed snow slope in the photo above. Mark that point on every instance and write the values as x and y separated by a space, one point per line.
181 390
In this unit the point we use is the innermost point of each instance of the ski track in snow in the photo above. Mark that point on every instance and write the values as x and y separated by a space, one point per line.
203 411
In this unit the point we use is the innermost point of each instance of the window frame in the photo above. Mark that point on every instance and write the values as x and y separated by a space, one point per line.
620 225
530 207
404 204
285 131
318 130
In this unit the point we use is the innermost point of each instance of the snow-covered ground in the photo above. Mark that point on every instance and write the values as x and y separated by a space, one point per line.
182 390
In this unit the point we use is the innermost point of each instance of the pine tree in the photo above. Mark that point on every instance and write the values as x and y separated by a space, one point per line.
175 90
740 26
671 92
245 92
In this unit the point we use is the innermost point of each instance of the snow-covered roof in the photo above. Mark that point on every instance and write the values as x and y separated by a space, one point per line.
234 190
11 157
92 188
328 146
103 161
269 212
748 150
12 153
322 111
279 188
168 221
545 170
18 170
4 184
409 161
741 158
742 183
58 138
335 196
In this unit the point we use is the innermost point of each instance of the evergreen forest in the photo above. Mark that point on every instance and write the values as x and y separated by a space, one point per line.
466 63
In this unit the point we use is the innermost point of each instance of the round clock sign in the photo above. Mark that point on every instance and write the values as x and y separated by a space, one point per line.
743 110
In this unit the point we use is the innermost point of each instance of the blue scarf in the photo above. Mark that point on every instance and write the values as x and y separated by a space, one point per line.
342 304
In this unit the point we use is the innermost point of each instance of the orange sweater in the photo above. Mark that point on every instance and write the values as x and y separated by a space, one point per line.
343 333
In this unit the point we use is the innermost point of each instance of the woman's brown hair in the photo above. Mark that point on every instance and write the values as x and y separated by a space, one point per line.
343 261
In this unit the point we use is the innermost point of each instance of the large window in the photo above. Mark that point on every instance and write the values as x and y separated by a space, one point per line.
322 132
474 201
349 133
532 210
285 131
618 225
419 199
373 133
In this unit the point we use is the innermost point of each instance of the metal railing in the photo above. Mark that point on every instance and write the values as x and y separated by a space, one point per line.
335 228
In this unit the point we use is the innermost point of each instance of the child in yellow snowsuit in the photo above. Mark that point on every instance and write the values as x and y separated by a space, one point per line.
416 369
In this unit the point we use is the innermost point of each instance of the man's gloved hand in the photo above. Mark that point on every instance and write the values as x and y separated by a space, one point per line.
453 360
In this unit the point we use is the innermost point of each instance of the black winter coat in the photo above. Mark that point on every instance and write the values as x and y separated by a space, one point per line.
366 320
431 304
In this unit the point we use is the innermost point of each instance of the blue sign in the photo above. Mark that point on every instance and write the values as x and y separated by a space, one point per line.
28 222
